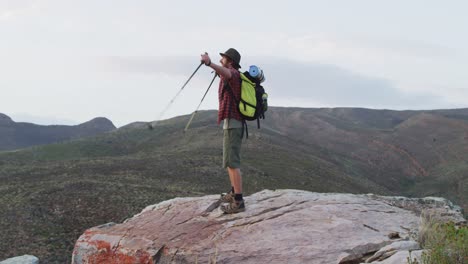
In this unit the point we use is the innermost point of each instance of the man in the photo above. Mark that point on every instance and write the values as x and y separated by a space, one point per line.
229 86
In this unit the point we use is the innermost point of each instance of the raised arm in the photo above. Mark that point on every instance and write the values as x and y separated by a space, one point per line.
220 70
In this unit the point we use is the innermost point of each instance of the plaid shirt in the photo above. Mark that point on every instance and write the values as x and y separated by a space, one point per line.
227 105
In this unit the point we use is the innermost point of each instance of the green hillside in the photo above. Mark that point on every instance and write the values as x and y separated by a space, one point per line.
54 192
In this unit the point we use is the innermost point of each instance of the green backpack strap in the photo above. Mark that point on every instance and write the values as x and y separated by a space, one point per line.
244 123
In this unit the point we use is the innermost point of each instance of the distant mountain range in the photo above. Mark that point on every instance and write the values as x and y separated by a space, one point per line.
57 190
15 135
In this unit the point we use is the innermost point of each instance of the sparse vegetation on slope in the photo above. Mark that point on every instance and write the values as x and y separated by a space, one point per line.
445 243
54 192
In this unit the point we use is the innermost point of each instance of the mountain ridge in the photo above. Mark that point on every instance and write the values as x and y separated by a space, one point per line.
16 135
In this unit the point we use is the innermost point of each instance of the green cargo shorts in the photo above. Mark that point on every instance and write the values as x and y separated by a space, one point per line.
232 142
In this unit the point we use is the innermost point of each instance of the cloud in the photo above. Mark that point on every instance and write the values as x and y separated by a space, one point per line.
367 47
10 9
335 86
170 65
323 84
41 120
389 57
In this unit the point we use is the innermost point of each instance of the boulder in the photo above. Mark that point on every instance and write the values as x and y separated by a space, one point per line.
393 248
25 259
282 226
401 257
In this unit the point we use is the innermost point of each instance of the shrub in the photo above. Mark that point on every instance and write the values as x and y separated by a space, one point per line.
444 243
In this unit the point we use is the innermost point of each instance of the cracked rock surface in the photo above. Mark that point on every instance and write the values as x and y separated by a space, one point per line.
282 226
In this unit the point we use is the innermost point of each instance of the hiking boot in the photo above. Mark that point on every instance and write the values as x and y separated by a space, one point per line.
227 197
233 207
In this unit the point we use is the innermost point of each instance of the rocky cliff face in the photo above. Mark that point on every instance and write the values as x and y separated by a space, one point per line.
283 226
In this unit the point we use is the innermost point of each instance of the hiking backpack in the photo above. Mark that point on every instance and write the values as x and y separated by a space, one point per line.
252 103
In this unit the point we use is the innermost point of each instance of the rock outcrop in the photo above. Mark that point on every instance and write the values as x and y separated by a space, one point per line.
283 226
25 259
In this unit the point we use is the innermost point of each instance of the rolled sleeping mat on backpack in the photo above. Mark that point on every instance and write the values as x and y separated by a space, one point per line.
256 73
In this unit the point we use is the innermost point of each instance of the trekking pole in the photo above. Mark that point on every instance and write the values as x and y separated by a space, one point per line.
150 124
191 118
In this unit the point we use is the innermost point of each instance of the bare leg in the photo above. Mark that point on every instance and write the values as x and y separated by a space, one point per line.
236 179
231 179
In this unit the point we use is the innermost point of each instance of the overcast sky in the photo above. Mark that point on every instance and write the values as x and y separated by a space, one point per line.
66 62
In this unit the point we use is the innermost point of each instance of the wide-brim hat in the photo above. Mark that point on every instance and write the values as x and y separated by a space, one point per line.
234 55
